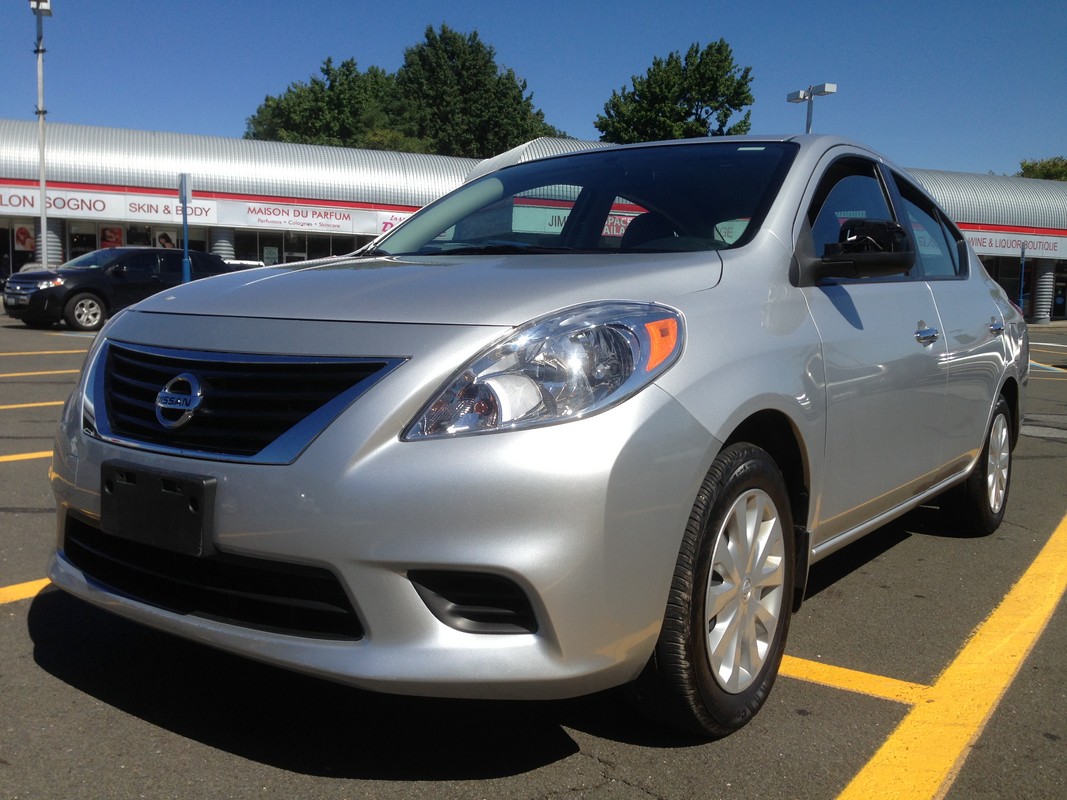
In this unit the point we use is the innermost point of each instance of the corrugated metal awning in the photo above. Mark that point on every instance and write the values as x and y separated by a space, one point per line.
997 199
119 157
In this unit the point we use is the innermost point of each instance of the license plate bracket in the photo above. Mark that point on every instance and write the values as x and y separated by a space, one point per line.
171 510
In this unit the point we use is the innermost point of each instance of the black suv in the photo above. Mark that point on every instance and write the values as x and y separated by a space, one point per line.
88 289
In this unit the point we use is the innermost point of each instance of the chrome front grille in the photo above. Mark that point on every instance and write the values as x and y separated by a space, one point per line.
258 408
16 286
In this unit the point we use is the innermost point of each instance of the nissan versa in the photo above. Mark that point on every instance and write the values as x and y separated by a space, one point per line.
586 421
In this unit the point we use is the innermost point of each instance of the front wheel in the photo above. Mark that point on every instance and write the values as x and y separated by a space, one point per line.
85 312
728 612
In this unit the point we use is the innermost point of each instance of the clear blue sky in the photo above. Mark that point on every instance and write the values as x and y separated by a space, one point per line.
972 86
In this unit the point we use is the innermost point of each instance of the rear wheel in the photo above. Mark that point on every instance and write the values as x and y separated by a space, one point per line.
728 613
979 503
85 312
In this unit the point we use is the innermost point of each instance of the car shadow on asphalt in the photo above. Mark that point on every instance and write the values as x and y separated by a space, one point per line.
927 520
307 725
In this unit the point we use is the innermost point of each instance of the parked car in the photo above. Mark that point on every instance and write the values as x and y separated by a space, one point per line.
86 290
584 422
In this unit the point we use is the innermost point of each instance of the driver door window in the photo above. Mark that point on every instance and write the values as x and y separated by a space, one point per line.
850 189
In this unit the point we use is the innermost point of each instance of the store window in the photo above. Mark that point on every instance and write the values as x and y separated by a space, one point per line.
82 237
296 246
111 236
138 235
246 246
23 244
5 250
318 246
270 248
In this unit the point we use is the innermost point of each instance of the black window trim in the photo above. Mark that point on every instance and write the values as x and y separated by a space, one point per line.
891 177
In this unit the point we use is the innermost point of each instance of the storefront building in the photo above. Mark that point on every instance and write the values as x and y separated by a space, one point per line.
271 202
248 201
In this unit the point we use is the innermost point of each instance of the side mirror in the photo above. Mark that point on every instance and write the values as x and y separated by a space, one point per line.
866 248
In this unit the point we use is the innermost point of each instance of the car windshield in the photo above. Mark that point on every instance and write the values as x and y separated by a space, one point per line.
93 260
685 197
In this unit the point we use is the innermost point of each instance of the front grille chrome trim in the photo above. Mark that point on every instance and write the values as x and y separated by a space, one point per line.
135 429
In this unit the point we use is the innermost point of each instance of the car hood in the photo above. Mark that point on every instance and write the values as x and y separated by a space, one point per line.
483 290
35 275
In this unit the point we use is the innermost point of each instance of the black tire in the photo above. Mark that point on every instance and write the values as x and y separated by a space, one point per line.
85 312
978 504
695 680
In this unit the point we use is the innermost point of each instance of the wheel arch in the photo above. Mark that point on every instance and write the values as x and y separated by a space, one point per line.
775 433
1010 392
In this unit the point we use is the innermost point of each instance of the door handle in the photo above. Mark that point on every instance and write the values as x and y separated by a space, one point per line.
996 327
927 336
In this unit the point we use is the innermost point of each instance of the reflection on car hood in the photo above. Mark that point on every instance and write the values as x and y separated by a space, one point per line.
35 274
493 290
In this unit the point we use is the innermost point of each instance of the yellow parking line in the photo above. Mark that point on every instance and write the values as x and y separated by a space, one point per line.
26 456
20 591
35 374
852 680
31 405
922 757
45 353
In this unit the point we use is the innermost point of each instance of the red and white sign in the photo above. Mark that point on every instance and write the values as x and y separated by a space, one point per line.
989 240
21 198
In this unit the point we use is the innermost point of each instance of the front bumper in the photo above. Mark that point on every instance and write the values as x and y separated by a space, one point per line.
41 304
584 518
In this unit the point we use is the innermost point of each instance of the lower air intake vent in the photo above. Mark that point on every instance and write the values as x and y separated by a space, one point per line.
253 593
475 602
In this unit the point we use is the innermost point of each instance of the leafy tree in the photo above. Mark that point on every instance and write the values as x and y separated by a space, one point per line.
455 97
680 98
1052 169
343 107
449 97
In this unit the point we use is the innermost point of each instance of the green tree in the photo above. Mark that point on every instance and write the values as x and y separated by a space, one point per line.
343 107
455 97
1051 169
680 98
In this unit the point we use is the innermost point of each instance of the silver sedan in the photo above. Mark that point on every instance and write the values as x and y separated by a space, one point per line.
584 422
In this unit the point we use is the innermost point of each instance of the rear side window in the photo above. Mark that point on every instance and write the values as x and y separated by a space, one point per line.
142 264
935 240
172 264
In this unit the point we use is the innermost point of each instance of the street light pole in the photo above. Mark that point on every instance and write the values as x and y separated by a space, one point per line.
41 9
808 95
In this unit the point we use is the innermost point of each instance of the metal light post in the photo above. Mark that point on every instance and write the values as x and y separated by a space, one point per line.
808 95
41 9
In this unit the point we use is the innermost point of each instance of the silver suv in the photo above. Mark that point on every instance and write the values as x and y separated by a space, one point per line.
585 421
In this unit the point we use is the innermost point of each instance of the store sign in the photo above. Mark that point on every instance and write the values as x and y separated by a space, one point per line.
310 218
124 206
147 208
1010 244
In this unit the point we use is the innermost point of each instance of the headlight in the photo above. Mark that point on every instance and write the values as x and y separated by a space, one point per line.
48 283
559 368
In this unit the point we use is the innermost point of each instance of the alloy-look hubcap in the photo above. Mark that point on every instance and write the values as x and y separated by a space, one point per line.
998 463
745 590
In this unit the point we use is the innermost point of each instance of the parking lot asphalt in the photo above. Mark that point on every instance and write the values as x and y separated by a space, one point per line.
924 663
